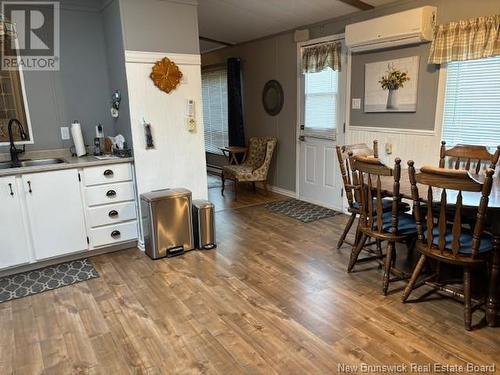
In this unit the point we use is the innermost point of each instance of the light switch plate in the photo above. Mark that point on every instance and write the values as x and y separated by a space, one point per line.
356 103
64 133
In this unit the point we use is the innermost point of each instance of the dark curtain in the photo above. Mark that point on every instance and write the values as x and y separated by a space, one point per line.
236 130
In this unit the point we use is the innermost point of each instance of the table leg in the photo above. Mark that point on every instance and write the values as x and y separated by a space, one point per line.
492 302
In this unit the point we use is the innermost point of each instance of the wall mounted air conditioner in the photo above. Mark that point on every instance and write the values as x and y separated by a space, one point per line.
409 27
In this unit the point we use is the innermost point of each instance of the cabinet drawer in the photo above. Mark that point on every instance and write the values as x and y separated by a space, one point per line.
107 174
112 234
111 214
106 194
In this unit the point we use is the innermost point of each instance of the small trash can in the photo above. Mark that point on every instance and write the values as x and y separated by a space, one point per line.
204 224
167 222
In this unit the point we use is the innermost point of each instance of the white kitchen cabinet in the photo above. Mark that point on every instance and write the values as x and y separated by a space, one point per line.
14 245
56 212
110 201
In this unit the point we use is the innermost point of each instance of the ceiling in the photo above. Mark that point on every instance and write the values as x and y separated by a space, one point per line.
237 21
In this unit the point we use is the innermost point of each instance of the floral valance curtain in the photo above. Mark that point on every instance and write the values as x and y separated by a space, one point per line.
320 56
470 39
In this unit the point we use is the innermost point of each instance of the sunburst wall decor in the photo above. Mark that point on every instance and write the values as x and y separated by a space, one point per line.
166 75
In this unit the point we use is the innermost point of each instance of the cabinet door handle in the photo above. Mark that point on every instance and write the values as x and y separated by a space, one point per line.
115 234
29 187
11 191
111 193
108 173
113 213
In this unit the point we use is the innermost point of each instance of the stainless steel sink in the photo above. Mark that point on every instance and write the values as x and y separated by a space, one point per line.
31 163
40 162
5 165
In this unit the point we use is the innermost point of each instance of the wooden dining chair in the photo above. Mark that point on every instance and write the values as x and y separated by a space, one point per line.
360 149
471 158
445 242
392 226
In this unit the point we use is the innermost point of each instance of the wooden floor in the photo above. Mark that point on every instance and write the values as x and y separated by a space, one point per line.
246 196
273 298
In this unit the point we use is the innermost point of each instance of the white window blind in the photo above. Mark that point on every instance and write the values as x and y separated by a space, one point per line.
214 92
472 104
320 103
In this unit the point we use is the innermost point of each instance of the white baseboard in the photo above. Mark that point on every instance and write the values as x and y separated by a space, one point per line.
322 204
140 245
288 193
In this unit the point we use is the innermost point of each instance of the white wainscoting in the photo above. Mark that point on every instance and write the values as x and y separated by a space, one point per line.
178 159
420 146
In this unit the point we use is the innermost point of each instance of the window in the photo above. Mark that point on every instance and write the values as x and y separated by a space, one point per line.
472 104
11 99
214 92
320 103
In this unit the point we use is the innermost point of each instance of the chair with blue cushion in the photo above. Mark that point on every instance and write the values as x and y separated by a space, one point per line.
376 221
344 156
445 242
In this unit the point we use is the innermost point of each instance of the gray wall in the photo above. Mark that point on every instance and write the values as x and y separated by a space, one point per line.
160 26
275 56
79 91
262 61
428 80
115 54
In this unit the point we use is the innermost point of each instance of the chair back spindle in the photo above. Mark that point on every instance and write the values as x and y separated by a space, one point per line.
471 158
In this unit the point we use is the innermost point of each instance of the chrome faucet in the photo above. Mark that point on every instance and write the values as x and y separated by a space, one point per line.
14 152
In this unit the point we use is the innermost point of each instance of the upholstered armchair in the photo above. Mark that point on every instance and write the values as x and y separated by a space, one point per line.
255 167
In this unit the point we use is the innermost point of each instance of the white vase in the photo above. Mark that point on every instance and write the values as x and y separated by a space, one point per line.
392 99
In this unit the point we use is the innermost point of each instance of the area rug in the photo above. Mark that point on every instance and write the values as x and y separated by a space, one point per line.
33 282
300 210
214 181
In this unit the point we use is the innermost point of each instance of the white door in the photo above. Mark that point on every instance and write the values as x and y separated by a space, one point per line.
321 128
55 210
14 245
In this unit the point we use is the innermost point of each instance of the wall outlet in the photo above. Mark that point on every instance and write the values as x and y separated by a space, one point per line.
388 148
356 103
64 133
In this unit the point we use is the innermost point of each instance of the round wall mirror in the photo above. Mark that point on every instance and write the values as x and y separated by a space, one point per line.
272 97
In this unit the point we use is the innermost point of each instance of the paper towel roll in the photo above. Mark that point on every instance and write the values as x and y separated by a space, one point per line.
76 133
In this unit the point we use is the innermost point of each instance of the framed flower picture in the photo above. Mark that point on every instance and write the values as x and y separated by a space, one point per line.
391 86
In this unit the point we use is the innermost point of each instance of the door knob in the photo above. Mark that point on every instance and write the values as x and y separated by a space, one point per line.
302 138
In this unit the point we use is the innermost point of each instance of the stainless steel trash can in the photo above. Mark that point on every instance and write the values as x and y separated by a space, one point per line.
204 224
167 222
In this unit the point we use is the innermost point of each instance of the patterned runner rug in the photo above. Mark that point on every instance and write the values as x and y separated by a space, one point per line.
52 277
300 210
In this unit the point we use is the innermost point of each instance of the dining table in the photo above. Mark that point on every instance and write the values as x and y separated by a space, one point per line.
469 199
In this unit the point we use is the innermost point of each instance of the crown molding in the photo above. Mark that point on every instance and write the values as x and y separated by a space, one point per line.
143 57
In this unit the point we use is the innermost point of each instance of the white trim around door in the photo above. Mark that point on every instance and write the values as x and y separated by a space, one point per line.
300 109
